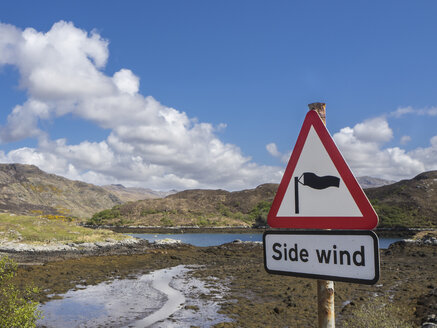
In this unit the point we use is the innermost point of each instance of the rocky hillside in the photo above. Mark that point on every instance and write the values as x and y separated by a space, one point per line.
411 203
195 207
408 203
130 194
370 182
25 189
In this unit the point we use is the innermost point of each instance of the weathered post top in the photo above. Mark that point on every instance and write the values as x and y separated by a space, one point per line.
320 108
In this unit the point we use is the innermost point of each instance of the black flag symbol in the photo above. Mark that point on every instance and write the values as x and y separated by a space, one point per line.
312 180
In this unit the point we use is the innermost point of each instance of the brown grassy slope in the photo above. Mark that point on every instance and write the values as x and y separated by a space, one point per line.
194 207
408 203
26 190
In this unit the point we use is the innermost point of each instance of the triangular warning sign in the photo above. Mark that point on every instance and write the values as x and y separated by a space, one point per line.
318 190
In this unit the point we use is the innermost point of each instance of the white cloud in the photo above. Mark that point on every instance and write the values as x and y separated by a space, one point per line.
373 130
427 155
149 144
366 155
22 122
126 81
363 149
401 111
273 150
405 139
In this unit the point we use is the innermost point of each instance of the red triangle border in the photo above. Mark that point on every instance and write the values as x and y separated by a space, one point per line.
368 221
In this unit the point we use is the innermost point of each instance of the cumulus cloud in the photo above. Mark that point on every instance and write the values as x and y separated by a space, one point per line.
149 144
363 148
126 81
427 155
374 130
273 150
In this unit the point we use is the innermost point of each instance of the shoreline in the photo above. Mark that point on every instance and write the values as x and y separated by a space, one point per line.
28 253
381 232
255 298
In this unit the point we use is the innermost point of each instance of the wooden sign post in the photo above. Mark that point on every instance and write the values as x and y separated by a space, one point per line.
319 192
325 288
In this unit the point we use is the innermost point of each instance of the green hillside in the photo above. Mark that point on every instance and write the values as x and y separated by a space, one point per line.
407 203
195 208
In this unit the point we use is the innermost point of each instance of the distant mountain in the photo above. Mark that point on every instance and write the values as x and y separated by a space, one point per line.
130 194
25 189
370 182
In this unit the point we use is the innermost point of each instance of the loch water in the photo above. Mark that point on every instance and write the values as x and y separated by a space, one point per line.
216 239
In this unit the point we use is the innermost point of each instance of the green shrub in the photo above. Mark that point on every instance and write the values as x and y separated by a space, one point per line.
167 222
148 211
392 216
259 213
203 221
100 217
17 309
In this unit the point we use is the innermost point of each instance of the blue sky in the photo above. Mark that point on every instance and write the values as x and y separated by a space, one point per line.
212 94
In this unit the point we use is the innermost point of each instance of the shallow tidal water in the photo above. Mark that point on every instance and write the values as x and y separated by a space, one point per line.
163 298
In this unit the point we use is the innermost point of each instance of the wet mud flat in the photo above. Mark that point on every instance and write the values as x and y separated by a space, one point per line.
164 298
249 296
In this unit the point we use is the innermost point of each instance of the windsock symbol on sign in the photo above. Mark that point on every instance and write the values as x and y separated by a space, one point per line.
312 180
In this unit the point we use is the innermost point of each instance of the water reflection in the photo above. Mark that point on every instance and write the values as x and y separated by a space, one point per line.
163 298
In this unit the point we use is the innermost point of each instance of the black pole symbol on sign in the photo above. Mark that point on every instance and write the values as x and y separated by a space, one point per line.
312 180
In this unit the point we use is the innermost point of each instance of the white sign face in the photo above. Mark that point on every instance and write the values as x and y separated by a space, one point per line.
351 256
303 199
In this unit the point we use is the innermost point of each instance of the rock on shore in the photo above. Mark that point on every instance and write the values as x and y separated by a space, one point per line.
16 247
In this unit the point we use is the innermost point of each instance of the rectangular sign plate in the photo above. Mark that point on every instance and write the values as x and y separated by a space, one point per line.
338 255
